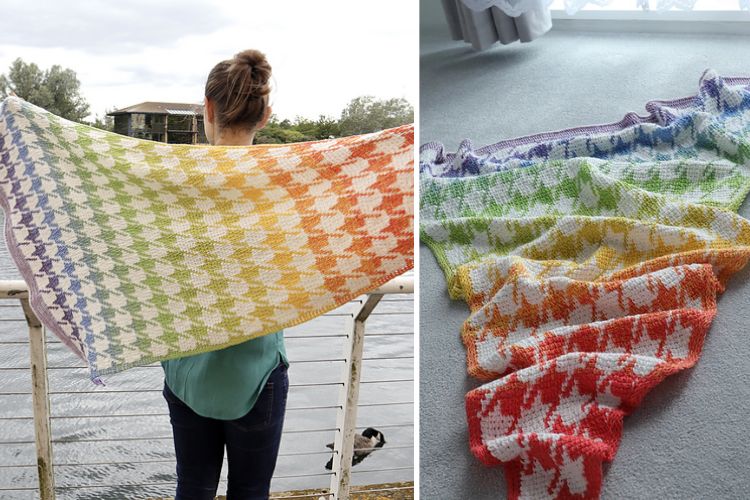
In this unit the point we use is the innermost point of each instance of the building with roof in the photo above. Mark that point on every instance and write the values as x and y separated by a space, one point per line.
173 122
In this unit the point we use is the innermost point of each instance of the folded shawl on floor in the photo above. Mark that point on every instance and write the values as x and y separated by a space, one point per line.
136 251
591 259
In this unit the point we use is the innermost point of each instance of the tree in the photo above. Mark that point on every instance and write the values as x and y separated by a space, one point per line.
306 127
324 127
366 114
278 132
56 89
106 122
362 115
327 127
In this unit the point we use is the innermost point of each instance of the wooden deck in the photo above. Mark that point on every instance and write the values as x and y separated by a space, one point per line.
387 491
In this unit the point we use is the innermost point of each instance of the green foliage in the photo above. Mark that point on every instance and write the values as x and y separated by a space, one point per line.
106 122
327 128
366 114
362 115
300 130
56 89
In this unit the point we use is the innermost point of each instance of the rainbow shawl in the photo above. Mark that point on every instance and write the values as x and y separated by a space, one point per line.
591 260
137 251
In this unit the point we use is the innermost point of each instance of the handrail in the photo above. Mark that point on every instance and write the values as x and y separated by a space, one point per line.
346 407
13 289
347 415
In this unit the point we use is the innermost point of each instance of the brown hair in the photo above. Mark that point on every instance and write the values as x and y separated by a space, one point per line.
240 88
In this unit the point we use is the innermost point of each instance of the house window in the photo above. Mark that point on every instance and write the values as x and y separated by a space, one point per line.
137 121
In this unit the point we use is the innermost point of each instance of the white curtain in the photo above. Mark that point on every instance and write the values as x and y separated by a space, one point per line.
484 27
515 8
482 23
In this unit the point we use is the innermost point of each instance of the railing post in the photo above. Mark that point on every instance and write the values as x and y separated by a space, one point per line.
40 400
346 417
347 414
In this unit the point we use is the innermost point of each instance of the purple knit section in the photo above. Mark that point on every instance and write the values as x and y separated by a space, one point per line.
20 205
654 107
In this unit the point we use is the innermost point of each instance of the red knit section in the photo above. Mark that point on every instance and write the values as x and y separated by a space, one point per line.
528 321
554 421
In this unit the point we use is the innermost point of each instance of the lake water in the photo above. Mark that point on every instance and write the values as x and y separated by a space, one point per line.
115 442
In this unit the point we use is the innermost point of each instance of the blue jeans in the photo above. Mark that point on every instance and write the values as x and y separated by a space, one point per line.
252 444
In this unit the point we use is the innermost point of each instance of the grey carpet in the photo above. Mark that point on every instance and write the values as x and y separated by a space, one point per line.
690 438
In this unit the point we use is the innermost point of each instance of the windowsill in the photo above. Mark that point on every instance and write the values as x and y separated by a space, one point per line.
704 22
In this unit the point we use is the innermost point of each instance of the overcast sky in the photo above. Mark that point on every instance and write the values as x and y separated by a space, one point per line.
323 53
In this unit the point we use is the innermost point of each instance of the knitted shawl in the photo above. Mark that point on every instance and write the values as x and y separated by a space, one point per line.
590 259
136 251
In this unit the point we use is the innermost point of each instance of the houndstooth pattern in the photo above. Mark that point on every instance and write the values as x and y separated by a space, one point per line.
529 320
591 260
137 251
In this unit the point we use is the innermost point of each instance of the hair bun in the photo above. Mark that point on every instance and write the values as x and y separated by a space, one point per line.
240 88
251 57
256 62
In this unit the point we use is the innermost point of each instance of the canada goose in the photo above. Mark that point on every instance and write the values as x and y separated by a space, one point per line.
364 444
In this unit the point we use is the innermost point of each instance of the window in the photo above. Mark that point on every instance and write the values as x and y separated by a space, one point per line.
635 5
707 16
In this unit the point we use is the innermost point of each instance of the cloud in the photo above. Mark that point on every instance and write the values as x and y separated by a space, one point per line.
107 27
160 76
323 53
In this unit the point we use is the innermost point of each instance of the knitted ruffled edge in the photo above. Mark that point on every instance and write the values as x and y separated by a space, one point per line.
434 153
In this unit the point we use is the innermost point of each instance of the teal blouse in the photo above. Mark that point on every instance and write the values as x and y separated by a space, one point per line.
225 384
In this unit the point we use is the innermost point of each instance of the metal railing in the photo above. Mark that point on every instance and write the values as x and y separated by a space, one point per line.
346 406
